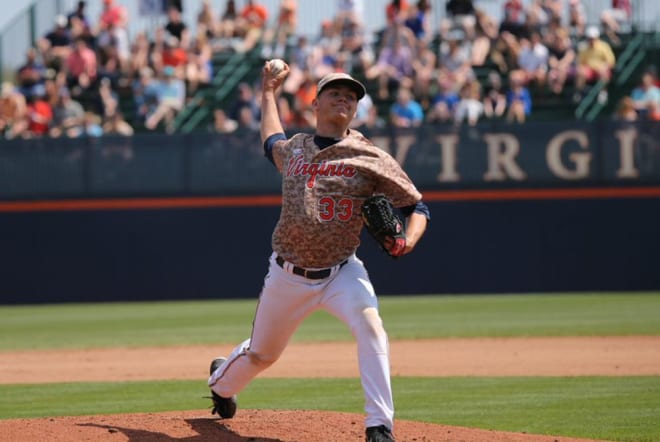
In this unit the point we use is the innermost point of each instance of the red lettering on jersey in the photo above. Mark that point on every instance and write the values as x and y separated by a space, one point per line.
298 167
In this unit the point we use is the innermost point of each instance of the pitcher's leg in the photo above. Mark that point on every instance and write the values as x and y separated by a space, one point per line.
282 306
351 298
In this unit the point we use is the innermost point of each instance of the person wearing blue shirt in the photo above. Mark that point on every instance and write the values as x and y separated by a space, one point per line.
518 98
405 111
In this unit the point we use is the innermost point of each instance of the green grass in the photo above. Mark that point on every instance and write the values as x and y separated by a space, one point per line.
613 408
406 317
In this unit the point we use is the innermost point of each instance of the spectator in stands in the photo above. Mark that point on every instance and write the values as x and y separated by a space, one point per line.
646 96
173 54
494 100
276 37
418 21
222 124
396 12
469 107
460 16
286 113
37 119
81 29
424 66
206 23
113 44
171 95
53 86
537 16
246 99
325 48
533 60
250 25
514 20
519 100
110 68
246 121
400 32
68 116
553 9
653 113
303 103
577 17
625 110
80 67
226 28
354 47
300 62
393 69
176 27
364 113
31 76
486 33
349 9
454 60
615 18
115 124
405 111
504 52
12 109
444 102
107 99
140 55
561 60
79 14
595 62
145 95
55 46
113 14
199 67
91 125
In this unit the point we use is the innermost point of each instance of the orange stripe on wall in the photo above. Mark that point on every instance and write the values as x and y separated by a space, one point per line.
276 200
138 203
543 194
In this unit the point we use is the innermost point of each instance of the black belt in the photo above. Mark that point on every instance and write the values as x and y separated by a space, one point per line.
309 274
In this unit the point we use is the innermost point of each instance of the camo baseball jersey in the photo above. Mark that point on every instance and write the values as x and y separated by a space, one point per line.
323 191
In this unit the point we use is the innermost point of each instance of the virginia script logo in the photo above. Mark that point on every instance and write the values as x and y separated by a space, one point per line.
298 167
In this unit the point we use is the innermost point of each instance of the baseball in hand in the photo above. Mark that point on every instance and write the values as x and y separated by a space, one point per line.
276 66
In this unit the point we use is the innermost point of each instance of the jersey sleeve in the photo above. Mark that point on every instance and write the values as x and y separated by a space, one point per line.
274 147
394 183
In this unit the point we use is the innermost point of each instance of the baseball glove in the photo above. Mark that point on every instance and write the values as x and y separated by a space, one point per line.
384 225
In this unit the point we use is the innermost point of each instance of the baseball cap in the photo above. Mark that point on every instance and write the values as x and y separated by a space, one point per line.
343 78
60 21
592 32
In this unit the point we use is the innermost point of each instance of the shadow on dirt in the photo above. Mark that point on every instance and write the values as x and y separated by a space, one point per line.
208 430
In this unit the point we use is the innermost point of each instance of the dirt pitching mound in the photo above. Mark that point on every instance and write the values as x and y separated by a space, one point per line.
247 425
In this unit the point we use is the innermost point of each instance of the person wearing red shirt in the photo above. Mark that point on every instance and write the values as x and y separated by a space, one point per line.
250 25
39 116
115 14
173 54
80 66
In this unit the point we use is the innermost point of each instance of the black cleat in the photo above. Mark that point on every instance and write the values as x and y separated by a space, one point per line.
379 434
223 407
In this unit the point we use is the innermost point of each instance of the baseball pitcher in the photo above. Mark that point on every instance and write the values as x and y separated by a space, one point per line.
334 182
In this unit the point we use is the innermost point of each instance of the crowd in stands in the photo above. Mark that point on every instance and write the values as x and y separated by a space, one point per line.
424 71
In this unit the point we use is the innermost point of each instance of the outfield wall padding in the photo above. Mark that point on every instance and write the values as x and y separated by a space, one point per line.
506 246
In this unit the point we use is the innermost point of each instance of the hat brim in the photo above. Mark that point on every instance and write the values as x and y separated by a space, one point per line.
357 87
